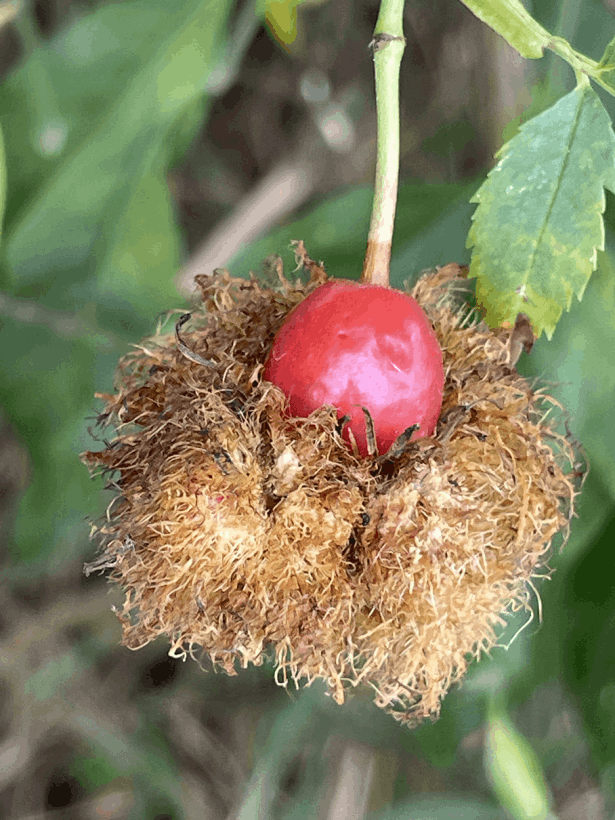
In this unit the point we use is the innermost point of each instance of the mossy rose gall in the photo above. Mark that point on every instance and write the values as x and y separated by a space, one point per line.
247 534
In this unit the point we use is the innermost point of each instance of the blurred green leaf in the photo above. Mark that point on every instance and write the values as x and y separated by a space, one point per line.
145 246
578 367
450 137
46 387
300 726
281 17
440 807
97 178
97 116
95 771
143 754
335 230
576 637
66 86
587 625
539 220
2 182
440 239
47 682
514 769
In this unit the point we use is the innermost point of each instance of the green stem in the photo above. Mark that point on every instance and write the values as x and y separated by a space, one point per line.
388 45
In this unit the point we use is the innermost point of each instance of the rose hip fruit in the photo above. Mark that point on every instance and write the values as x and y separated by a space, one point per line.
352 346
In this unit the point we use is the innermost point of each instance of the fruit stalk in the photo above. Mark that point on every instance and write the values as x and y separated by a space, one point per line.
388 45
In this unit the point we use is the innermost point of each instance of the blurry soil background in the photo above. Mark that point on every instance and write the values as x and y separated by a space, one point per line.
281 147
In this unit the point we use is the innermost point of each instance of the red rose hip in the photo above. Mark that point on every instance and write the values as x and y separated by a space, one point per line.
352 346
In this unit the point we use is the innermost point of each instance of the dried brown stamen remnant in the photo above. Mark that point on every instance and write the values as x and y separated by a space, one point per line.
244 532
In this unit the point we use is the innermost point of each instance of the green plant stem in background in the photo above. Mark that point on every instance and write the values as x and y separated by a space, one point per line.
388 45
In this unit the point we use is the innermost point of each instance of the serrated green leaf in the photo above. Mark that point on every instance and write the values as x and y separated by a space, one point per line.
512 22
539 221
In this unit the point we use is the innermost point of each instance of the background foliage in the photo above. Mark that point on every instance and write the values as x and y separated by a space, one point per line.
141 137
